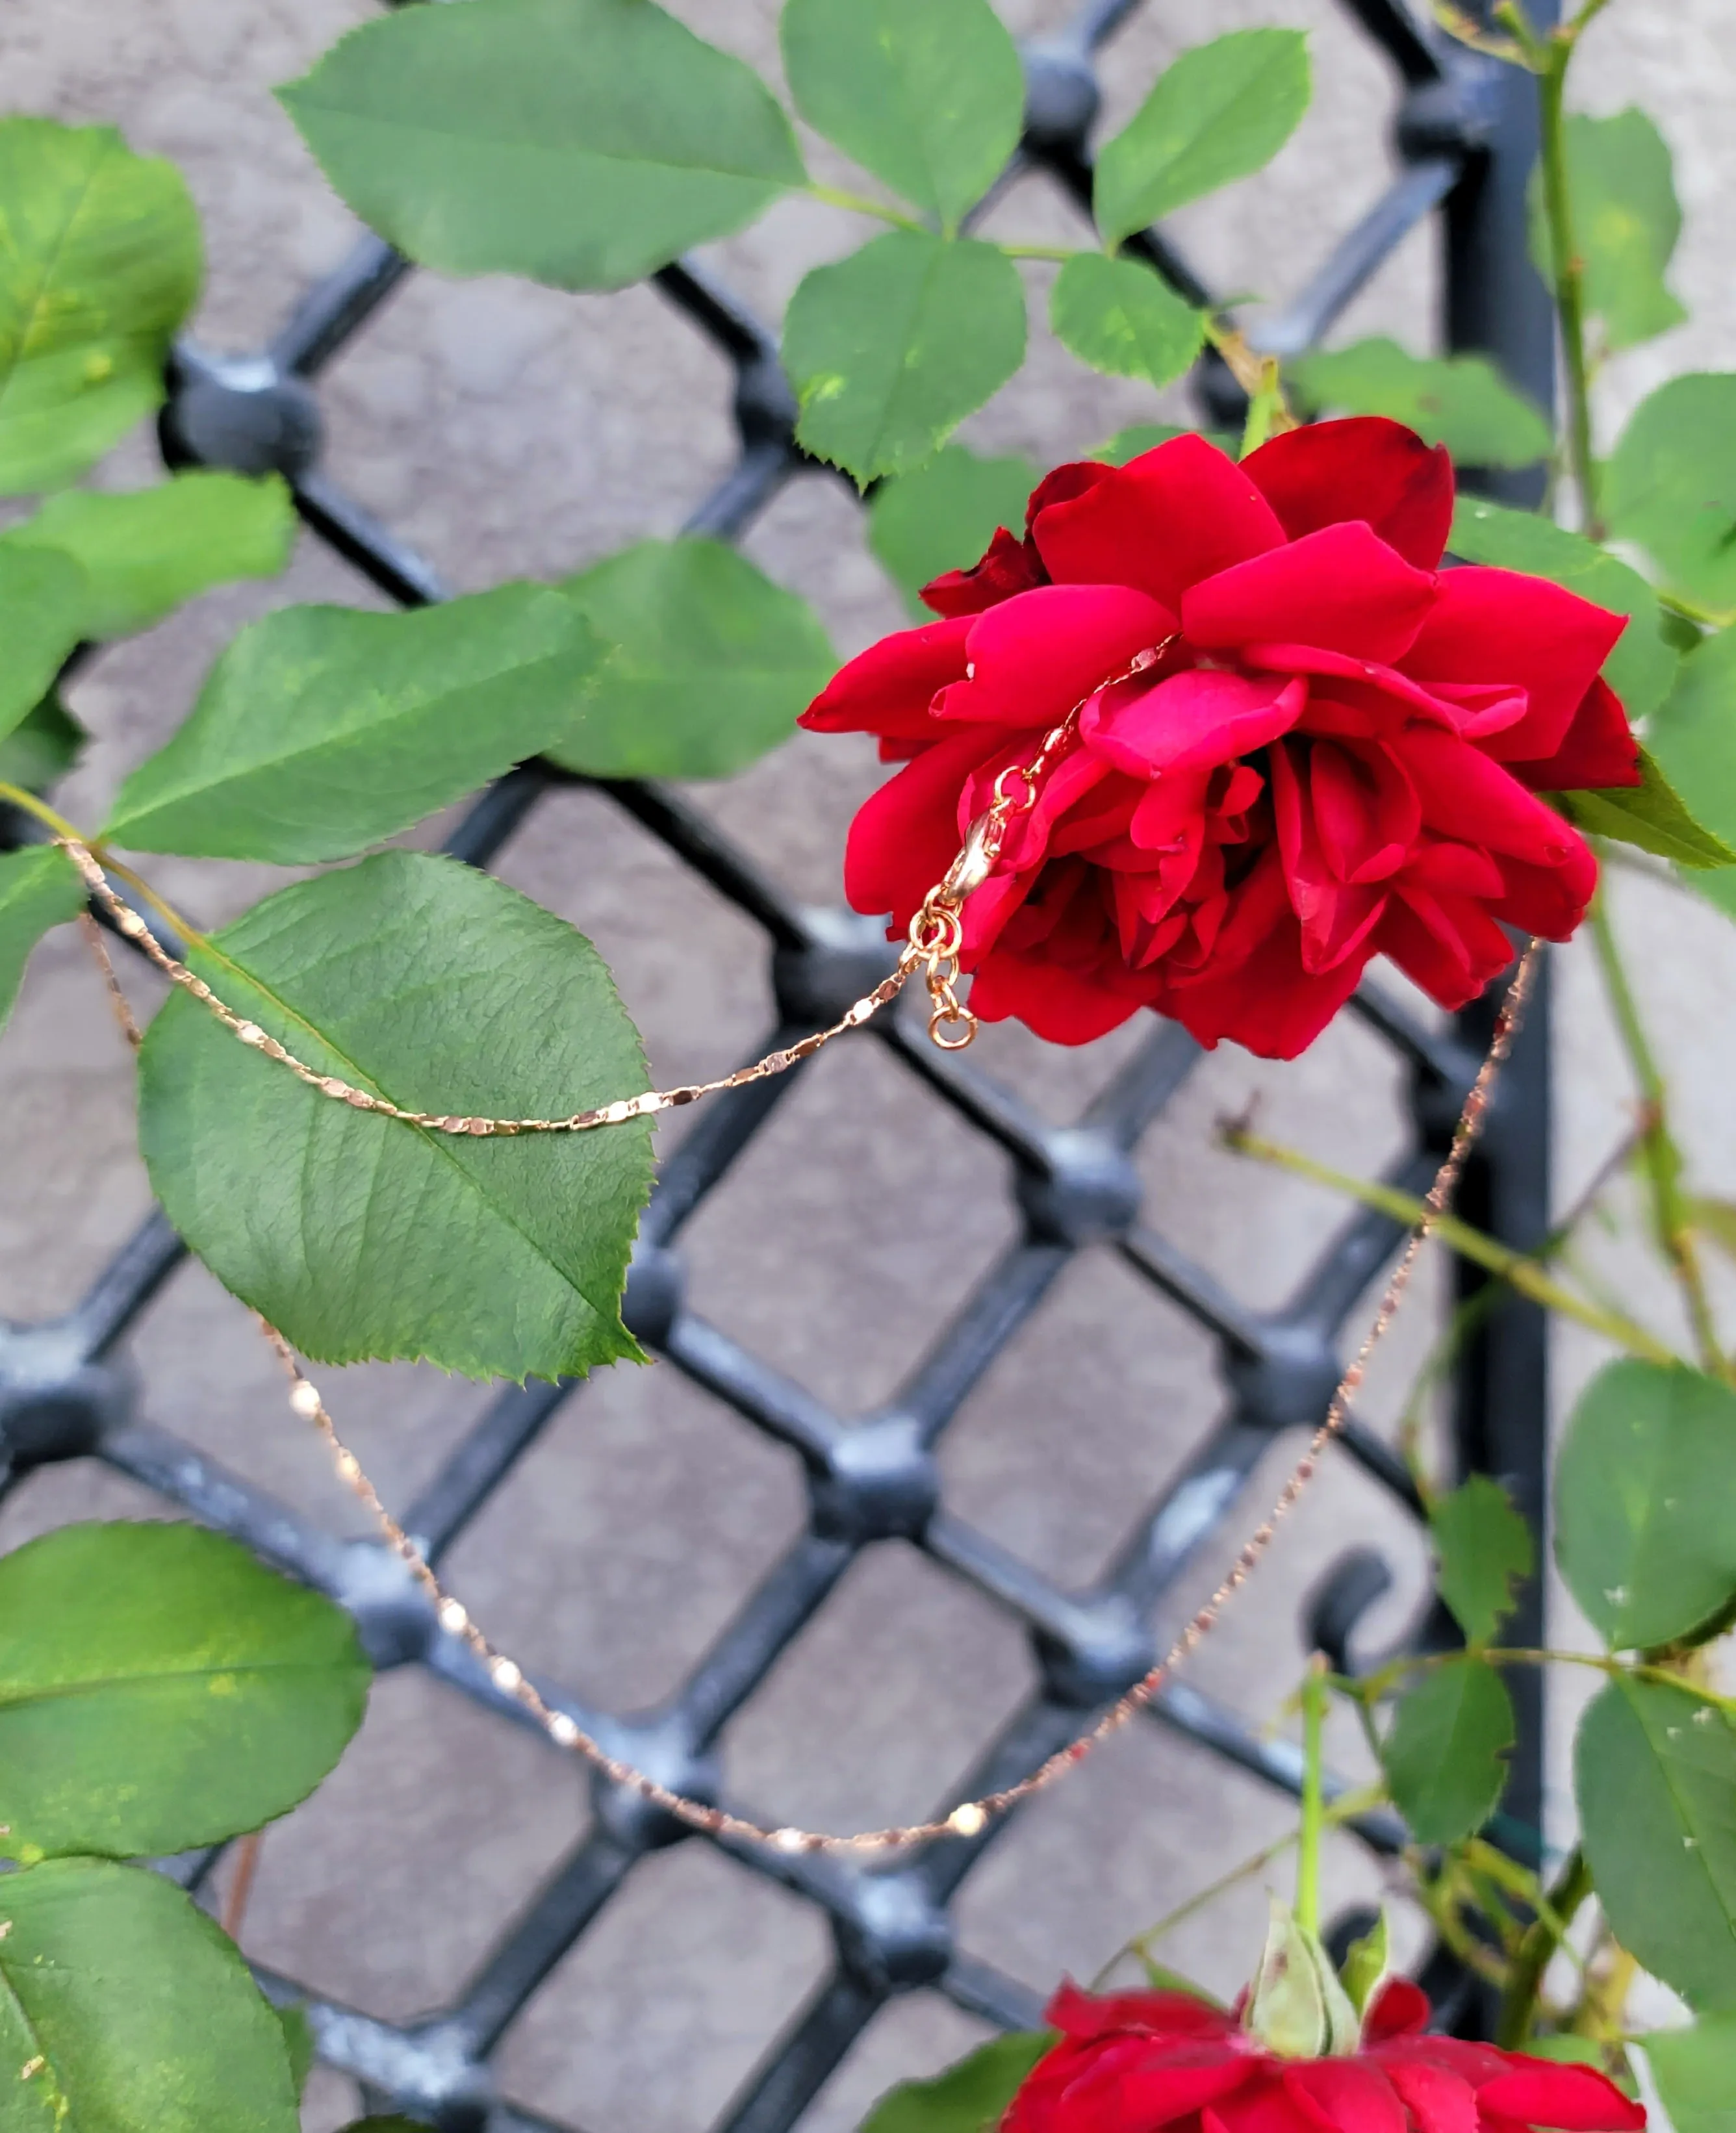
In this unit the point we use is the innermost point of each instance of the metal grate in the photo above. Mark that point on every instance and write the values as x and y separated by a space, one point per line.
1463 146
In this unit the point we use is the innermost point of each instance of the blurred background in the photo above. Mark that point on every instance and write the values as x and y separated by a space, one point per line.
507 431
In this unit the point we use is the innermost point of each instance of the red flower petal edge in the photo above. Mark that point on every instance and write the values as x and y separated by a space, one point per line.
1136 2062
1335 756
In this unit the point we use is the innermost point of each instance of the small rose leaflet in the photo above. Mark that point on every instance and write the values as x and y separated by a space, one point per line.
1299 743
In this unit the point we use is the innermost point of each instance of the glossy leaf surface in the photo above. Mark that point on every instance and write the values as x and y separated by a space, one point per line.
1217 114
1654 815
1645 1502
1445 1753
101 263
142 2015
323 729
891 350
1655 1778
38 889
706 663
145 551
928 95
969 2097
1123 318
1461 401
582 143
445 990
161 1689
1670 485
1485 1552
43 599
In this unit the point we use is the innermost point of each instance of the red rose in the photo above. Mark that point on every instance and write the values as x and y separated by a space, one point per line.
1134 2061
1334 754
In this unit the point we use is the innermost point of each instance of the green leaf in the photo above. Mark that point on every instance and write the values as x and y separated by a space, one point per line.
1445 1755
969 2097
159 1689
1122 317
943 516
1366 1963
1695 2072
1692 734
146 551
1645 1503
298 2042
101 263
1460 401
928 95
322 730
1716 885
583 142
442 989
42 747
1146 437
42 604
709 663
38 889
1655 1777
1483 1552
1626 221
891 350
1221 111
142 2016
1651 815
1670 485
1643 664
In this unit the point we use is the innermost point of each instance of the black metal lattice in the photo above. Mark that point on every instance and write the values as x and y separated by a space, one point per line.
1465 144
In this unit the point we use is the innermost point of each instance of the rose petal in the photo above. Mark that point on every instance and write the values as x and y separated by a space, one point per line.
1365 467
1193 719
1335 917
887 689
1439 2102
1492 625
1008 566
1346 2096
1455 869
1253 988
1597 752
1548 900
1263 2106
1162 521
1365 810
1451 946
1033 658
1571 2099
907 834
1064 1006
1399 2009
1342 590
1466 796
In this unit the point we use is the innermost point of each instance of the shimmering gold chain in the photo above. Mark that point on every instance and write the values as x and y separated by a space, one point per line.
971 1817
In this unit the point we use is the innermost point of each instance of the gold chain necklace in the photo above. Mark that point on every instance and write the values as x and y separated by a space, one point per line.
934 944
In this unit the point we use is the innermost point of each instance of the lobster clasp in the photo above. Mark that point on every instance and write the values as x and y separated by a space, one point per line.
976 860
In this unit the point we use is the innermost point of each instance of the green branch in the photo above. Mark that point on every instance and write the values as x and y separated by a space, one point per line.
1519 1271
1543 1935
1671 1225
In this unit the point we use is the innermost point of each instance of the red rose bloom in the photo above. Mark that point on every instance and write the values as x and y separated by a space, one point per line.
1134 2061
1331 750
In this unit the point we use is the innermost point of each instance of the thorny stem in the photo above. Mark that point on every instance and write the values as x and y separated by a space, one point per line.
1371 1687
15 796
861 204
1314 1798
1517 1270
1543 1936
1344 1809
1550 57
1669 1219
